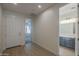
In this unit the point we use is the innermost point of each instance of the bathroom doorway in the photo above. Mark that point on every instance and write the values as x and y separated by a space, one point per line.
68 30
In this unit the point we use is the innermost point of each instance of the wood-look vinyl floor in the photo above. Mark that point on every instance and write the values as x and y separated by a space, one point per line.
66 51
27 50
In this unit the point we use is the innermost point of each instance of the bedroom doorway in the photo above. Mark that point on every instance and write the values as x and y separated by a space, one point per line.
28 35
28 26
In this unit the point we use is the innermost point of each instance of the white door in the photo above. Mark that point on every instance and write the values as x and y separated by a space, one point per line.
11 33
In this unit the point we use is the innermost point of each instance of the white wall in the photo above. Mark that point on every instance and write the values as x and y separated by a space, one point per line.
78 32
1 29
13 28
46 29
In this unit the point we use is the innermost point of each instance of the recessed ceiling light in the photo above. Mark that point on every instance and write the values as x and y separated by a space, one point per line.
39 6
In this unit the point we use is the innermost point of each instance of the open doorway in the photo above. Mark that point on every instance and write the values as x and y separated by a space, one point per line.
28 27
28 35
67 30
67 38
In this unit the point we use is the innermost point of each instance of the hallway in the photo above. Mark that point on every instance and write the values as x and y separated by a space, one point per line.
44 24
44 33
34 50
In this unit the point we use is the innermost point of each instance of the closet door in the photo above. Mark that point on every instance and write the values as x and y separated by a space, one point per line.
11 33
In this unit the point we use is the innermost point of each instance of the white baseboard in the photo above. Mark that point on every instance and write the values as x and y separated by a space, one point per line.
46 48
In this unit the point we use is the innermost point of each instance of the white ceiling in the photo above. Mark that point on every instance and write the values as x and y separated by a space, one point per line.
27 8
